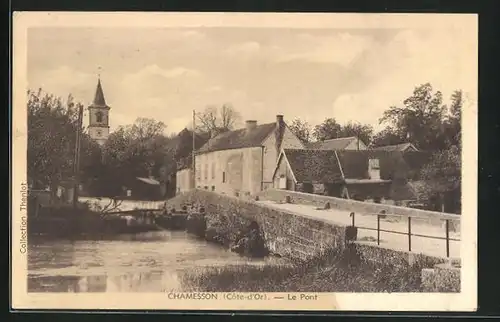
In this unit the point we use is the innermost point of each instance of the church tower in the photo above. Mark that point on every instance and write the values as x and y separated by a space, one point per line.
99 116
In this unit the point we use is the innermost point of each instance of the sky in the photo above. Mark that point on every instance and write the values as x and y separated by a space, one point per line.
311 74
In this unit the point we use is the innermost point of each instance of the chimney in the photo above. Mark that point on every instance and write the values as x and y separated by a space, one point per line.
250 125
280 130
279 119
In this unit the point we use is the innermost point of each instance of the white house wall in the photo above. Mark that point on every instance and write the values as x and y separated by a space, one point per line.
290 141
183 180
230 171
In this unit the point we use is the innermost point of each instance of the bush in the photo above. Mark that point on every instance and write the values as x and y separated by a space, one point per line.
327 272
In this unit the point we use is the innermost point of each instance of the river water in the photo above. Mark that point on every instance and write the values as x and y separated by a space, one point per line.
147 262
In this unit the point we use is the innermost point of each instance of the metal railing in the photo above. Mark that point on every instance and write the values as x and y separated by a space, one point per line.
408 233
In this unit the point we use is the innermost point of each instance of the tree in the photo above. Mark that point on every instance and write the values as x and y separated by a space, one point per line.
388 136
301 129
420 118
442 175
327 130
363 132
133 151
331 129
145 129
214 120
453 127
52 127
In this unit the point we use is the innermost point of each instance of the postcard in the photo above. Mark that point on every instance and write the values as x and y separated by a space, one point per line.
244 161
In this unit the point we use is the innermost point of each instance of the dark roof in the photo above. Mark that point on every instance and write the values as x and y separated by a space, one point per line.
99 100
355 164
332 144
323 165
238 139
396 147
313 165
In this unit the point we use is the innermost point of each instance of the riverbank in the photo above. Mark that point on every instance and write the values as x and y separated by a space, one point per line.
328 272
81 222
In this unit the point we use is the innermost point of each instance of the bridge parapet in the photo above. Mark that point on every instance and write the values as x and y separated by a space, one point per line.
302 237
395 213
286 234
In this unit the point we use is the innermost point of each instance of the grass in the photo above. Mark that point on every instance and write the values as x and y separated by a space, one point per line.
328 272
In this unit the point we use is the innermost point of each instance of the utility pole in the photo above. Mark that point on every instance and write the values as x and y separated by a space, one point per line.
358 132
194 148
76 170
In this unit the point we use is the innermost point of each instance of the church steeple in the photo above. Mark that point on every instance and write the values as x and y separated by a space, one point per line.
99 116
99 100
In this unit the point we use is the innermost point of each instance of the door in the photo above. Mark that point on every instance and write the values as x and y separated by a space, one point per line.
282 182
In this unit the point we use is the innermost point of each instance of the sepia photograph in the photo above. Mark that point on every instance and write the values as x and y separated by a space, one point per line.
244 161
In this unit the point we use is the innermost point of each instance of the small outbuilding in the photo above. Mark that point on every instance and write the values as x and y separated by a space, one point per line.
360 175
144 188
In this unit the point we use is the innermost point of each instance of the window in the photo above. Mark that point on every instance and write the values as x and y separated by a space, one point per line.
205 172
98 117
213 170
213 188
99 133
223 177
374 169
198 172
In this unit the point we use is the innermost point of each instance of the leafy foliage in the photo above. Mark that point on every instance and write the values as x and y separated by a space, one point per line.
443 172
388 136
301 129
331 129
134 151
420 119
362 131
52 127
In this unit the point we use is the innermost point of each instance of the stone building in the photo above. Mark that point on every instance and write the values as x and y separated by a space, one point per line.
348 174
242 162
183 180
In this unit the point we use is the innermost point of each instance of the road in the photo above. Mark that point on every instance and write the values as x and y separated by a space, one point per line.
427 246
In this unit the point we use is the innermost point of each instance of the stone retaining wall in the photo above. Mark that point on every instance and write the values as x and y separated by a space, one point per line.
394 212
297 237
286 234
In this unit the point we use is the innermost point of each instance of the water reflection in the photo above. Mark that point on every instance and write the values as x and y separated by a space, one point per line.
149 262
130 282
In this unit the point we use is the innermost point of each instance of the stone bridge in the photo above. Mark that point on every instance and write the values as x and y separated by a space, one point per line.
302 227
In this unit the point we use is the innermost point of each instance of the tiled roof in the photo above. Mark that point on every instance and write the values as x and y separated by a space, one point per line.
239 138
314 165
396 147
333 144
323 165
